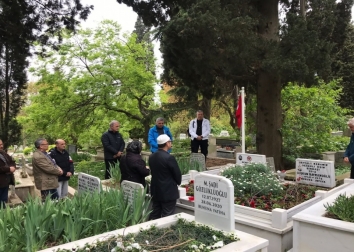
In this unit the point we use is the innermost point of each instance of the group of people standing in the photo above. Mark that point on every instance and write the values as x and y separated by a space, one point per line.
163 167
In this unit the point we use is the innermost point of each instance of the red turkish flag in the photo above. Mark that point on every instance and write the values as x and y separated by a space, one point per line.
238 113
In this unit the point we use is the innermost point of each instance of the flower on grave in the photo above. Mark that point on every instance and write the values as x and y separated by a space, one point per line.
283 171
191 198
252 203
191 182
298 179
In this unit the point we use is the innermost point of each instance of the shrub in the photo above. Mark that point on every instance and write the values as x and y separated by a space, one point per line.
342 208
253 179
28 150
78 157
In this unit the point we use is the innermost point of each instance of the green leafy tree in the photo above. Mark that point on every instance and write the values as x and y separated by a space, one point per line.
310 114
22 24
96 76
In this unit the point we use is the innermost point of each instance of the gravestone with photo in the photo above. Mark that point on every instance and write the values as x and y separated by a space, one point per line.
214 201
199 158
245 158
130 189
88 183
315 172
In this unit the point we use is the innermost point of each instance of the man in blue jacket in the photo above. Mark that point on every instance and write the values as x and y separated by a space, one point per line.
157 130
349 152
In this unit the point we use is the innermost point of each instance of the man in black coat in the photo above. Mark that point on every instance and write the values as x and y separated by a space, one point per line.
64 161
165 178
113 146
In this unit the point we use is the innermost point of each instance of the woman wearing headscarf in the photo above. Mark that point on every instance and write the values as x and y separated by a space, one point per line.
132 166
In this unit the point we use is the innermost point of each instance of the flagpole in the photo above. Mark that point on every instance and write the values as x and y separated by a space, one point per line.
243 120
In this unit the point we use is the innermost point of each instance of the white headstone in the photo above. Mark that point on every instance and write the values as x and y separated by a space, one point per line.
214 201
315 172
130 189
182 136
245 158
88 183
224 133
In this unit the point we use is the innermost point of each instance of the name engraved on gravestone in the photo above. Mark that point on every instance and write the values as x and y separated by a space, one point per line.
88 183
315 172
246 158
130 189
214 201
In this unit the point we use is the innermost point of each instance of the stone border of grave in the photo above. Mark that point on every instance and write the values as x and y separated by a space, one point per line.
314 232
247 242
275 226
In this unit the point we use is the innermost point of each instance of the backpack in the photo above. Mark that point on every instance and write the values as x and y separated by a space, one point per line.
188 130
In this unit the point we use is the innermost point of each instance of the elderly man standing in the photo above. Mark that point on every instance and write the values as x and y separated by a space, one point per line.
165 177
7 169
45 170
199 129
113 146
349 152
64 161
156 131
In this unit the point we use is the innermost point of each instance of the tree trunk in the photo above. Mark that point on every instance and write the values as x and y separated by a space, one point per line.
206 107
269 140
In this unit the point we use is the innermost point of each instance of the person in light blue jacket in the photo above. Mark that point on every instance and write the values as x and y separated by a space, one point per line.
157 130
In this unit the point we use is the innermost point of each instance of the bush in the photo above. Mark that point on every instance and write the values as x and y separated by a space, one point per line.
78 157
253 179
342 208
28 150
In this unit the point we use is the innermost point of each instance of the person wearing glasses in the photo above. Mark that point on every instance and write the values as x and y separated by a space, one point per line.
165 178
349 152
45 170
7 169
156 131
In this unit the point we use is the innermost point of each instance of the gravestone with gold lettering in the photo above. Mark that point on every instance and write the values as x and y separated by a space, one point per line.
88 183
315 172
214 201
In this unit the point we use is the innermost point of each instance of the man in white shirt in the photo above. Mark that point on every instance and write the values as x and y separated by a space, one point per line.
199 129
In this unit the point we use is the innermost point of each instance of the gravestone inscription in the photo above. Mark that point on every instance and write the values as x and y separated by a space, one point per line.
214 201
88 183
315 172
131 189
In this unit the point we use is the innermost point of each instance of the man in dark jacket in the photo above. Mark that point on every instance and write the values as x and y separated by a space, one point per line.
64 161
165 177
349 152
7 169
113 146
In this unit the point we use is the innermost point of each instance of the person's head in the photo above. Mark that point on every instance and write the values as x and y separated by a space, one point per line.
164 142
160 122
41 144
200 115
351 125
60 144
135 147
1 145
114 126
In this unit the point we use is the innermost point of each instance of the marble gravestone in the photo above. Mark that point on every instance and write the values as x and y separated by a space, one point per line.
246 158
315 172
88 183
200 158
214 201
182 136
130 189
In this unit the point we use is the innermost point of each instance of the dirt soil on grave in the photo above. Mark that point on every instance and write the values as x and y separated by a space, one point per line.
211 162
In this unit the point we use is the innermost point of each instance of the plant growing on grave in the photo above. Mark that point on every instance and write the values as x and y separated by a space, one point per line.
185 165
182 236
252 179
78 157
342 208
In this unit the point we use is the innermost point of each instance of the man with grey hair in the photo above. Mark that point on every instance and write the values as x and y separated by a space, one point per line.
157 130
113 147
349 152
45 170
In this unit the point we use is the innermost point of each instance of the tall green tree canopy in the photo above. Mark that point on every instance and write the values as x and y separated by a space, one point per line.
22 23
96 76
211 46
